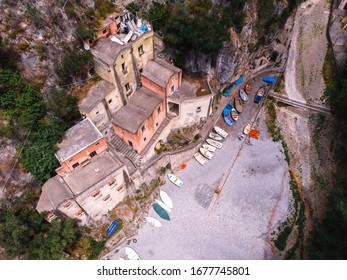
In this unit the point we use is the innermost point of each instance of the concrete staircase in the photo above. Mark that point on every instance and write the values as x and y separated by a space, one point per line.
120 146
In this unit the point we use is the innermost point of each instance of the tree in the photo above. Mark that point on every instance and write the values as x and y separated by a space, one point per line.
64 106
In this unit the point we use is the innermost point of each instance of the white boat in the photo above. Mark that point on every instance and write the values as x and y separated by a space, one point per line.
153 221
220 131
234 114
121 259
162 205
166 199
209 147
131 254
202 160
214 143
206 153
215 136
243 95
247 129
174 179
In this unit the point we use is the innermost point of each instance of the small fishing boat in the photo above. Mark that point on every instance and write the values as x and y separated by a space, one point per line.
238 105
161 212
234 114
209 147
214 143
228 121
200 159
243 95
248 88
220 131
166 199
259 96
215 136
247 129
227 109
206 153
153 221
162 204
269 80
131 254
174 179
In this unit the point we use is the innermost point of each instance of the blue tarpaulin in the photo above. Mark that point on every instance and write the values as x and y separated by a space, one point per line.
112 228
238 81
227 90
143 28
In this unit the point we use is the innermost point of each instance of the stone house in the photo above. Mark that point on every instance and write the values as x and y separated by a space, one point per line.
137 122
88 192
101 102
80 143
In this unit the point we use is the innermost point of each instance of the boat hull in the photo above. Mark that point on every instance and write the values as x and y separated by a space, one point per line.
209 147
200 159
214 143
215 136
243 95
153 221
166 199
221 132
206 153
174 179
131 254
161 212
228 121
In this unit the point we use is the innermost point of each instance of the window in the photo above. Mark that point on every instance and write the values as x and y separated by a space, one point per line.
93 154
95 194
141 69
97 112
127 87
110 183
97 143
75 165
79 213
51 217
144 139
172 89
198 109
156 124
104 31
106 198
110 101
67 204
130 143
124 69
143 128
120 188
140 49
159 110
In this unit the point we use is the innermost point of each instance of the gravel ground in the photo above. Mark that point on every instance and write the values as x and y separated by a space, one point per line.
235 225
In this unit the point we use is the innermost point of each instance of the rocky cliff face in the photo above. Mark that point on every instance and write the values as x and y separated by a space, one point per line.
38 31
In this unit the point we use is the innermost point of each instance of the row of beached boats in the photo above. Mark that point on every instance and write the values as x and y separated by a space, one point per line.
212 144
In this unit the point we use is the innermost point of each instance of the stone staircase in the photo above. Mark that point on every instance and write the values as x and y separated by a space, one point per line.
120 146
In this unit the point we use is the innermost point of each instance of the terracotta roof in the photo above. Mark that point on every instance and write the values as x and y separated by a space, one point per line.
159 72
107 50
77 138
139 108
53 193
95 95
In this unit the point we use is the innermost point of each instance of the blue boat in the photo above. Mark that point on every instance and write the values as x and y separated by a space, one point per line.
227 90
228 121
269 79
227 109
238 81
112 228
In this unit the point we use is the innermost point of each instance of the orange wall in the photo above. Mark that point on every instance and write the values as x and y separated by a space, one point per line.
152 86
66 166
174 80
138 139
